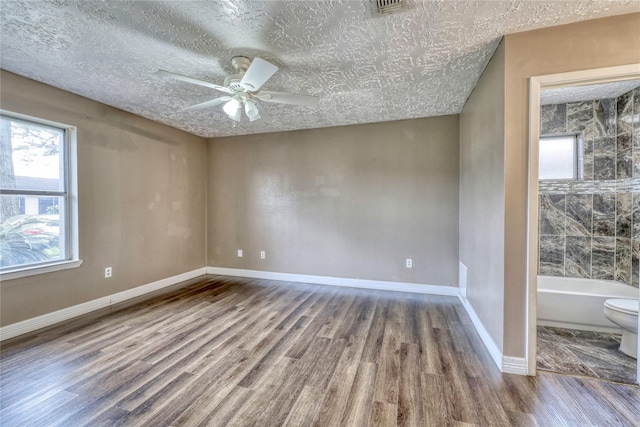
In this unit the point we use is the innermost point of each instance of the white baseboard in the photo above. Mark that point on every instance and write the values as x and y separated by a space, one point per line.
489 343
514 365
336 281
29 325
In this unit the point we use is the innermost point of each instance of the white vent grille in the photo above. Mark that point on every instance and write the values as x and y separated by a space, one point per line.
386 7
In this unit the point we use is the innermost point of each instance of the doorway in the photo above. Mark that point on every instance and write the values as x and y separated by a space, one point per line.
547 250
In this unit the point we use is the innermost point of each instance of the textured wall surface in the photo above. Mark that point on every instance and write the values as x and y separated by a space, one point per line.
591 228
482 196
351 201
141 201
565 48
419 63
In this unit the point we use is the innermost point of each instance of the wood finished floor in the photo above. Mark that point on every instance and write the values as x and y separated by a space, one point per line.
228 351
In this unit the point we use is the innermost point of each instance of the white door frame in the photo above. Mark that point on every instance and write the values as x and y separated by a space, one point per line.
536 84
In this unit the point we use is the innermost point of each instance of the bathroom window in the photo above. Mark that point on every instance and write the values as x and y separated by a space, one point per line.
561 157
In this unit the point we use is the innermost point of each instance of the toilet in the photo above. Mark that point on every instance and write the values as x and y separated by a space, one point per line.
624 313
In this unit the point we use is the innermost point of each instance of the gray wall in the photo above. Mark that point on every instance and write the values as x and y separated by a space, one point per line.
586 45
591 228
351 201
482 195
141 201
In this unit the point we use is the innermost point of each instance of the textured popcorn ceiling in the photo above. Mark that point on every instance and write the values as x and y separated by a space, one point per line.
563 95
423 62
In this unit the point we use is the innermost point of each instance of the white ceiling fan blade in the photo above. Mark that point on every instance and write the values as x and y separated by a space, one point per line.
258 72
208 104
264 116
168 75
288 98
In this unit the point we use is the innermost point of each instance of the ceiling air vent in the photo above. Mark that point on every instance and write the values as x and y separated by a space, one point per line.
387 7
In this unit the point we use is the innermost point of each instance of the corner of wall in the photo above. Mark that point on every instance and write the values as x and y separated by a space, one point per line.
487 340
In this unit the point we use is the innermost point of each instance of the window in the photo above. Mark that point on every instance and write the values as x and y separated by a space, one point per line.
38 227
560 157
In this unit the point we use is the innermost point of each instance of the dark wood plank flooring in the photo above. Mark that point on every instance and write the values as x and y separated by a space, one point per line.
240 352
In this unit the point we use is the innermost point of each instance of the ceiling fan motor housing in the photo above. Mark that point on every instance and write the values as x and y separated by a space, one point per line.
241 65
233 81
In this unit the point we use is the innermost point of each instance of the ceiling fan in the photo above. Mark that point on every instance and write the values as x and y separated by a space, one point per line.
242 90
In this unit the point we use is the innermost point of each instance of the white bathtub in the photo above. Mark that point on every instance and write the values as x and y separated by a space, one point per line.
578 303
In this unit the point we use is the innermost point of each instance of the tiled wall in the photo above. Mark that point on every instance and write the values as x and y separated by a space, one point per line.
591 228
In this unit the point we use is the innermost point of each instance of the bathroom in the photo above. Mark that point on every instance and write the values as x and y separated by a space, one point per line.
589 229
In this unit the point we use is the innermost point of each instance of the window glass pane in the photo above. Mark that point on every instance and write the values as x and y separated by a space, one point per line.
31 156
35 234
34 220
558 157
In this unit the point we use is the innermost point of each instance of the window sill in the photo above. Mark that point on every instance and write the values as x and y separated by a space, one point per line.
50 268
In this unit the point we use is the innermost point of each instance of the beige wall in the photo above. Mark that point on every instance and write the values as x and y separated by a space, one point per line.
585 45
141 201
482 196
351 201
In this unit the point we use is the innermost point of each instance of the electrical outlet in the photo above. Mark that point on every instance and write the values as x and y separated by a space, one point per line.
409 263
239 253
107 272
263 255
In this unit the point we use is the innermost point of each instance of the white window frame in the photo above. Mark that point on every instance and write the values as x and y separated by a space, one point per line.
71 239
578 156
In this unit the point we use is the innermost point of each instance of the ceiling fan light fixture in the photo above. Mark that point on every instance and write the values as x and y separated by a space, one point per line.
251 110
233 108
